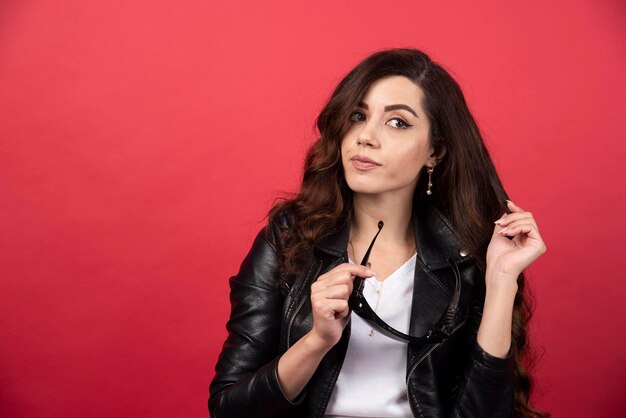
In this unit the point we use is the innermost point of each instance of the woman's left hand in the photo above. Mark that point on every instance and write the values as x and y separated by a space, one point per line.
511 256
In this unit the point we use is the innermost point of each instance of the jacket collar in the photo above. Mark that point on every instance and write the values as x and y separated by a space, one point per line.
435 239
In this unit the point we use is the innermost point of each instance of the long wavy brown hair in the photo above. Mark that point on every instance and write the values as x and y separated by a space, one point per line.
468 189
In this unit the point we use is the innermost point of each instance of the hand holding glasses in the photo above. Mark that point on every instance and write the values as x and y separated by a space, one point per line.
359 305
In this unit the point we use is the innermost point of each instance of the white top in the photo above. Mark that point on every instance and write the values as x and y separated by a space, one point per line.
372 379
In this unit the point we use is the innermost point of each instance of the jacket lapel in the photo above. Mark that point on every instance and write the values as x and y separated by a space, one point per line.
434 280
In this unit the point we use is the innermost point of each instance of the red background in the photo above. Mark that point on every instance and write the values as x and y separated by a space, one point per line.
142 143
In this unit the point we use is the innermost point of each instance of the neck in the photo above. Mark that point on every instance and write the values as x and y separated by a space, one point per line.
395 211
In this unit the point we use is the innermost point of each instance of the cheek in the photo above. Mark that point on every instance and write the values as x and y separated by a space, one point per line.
414 155
409 162
343 150
344 156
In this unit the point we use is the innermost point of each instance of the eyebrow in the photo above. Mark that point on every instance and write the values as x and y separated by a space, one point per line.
390 107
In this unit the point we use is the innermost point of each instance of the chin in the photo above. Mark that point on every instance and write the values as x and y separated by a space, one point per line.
364 188
364 185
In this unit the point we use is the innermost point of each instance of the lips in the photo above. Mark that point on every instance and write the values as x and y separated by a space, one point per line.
364 163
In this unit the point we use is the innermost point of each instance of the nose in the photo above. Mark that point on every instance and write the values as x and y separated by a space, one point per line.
367 135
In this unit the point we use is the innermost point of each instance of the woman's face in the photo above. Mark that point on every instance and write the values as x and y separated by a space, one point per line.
390 128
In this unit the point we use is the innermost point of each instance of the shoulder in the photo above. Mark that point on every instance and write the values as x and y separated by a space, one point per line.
278 222
283 218
261 265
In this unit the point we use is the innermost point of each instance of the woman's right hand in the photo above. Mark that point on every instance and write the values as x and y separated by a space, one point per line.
329 301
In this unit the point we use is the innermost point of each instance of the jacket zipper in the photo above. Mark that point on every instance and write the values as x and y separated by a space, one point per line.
418 361
295 312
413 367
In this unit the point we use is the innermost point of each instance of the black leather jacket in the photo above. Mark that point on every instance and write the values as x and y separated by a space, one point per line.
456 378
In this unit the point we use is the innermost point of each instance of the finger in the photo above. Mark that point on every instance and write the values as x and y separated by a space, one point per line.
330 308
532 237
500 225
496 230
359 270
344 311
353 269
341 278
515 224
331 279
340 291
513 207
340 308
507 218
529 229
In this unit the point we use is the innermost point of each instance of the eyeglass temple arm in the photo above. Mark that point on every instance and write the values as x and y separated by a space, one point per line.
358 282
366 257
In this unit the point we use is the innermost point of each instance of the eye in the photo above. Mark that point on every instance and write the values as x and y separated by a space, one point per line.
402 124
356 113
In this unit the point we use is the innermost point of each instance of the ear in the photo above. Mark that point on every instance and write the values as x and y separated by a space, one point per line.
436 157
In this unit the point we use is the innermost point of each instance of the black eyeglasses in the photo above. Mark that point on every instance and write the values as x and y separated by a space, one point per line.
442 330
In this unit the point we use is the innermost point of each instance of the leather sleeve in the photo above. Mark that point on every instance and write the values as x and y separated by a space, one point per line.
487 388
246 380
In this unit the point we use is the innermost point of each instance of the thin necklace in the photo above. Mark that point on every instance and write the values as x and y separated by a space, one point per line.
378 288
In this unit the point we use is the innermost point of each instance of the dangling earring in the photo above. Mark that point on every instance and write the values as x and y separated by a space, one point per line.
430 183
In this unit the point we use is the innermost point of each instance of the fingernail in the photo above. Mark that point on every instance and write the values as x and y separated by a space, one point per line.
370 272
504 231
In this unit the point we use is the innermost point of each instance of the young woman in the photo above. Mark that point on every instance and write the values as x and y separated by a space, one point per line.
428 322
